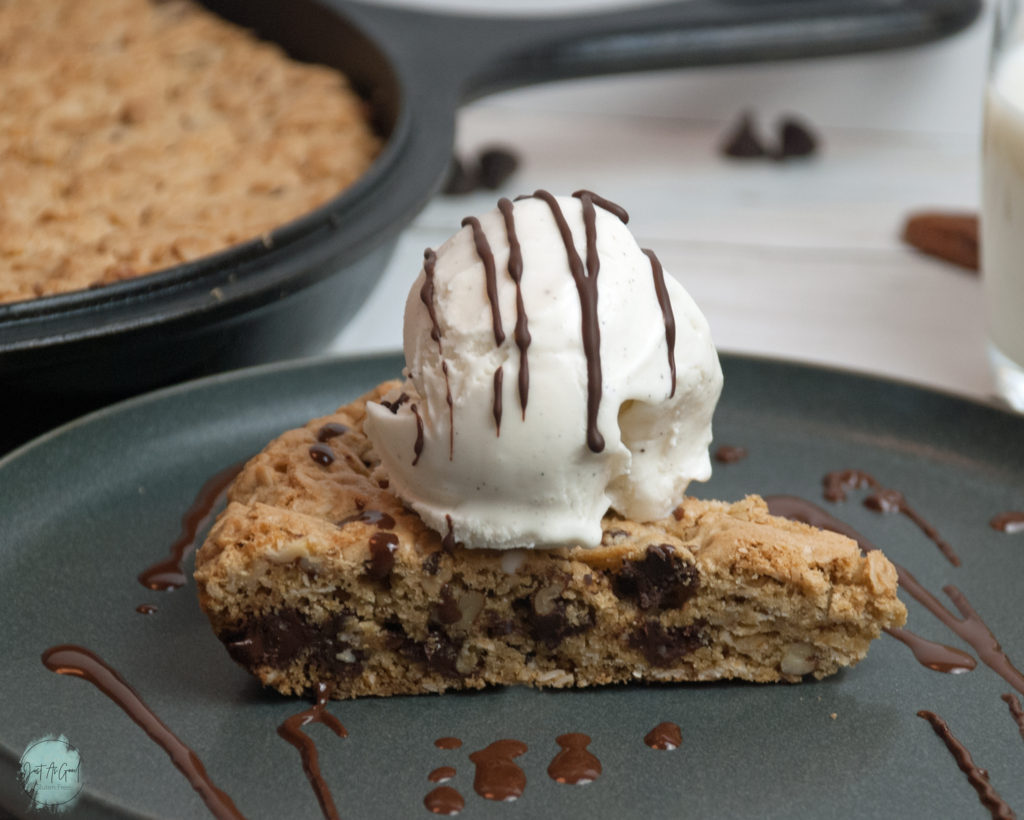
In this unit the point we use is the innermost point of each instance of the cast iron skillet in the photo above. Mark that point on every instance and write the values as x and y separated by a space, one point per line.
256 302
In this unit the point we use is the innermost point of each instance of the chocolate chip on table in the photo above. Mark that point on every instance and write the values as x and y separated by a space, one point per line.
496 166
795 140
461 180
742 140
950 236
488 170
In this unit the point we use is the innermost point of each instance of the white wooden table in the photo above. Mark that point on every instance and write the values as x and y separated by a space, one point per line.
798 260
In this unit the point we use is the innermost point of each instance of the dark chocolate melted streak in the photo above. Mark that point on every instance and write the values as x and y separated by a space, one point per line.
81 663
1010 521
498 777
976 776
168 574
521 334
969 626
1016 711
291 731
664 737
427 297
884 500
666 314
575 764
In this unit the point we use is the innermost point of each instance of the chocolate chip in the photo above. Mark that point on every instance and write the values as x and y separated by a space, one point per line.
496 166
322 454
557 624
432 562
381 519
331 430
382 555
742 141
795 140
279 638
447 612
661 579
665 646
461 180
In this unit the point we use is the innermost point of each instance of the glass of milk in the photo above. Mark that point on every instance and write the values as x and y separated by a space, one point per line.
1002 209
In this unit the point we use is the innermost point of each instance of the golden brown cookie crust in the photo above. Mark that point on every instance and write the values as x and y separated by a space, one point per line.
315 572
136 135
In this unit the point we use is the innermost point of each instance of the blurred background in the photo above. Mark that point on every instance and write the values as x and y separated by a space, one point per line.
799 259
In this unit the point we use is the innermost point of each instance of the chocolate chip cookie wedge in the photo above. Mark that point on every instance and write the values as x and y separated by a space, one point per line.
316 572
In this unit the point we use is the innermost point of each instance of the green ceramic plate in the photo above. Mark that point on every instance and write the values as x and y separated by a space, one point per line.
85 508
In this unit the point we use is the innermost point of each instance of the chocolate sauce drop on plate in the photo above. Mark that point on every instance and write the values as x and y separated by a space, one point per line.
730 454
82 663
291 730
442 774
448 743
444 800
145 609
167 574
976 776
884 500
1011 521
664 737
497 775
575 764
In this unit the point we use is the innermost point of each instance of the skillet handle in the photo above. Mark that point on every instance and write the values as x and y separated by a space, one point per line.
480 55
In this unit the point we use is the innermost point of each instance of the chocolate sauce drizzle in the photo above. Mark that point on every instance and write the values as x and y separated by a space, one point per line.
499 377
976 776
969 626
483 250
613 208
935 656
521 334
666 314
427 297
575 764
80 662
417 447
448 743
1016 711
883 500
444 800
1010 521
168 574
586 287
664 737
291 730
497 776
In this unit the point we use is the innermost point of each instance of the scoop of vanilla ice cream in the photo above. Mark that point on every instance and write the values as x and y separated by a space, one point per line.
541 388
